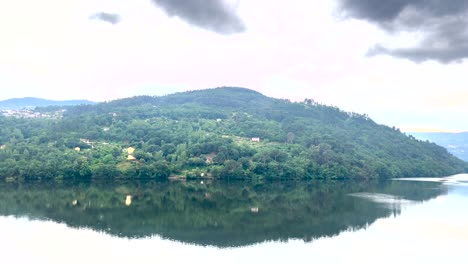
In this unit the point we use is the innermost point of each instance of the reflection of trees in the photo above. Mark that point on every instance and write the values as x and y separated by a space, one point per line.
218 214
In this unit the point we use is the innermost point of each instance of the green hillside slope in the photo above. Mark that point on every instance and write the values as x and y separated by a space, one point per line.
214 133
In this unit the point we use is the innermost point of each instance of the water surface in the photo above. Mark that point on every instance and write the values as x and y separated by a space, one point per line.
175 222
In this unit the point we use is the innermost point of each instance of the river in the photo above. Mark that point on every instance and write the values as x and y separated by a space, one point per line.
404 221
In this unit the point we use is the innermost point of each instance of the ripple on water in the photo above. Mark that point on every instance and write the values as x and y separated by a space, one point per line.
386 200
458 179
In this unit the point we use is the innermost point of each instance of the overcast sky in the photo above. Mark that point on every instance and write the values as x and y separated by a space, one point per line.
402 61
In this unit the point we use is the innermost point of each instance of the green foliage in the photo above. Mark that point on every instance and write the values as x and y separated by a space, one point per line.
209 132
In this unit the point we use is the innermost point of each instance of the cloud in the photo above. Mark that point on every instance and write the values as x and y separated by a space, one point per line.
214 15
442 25
106 17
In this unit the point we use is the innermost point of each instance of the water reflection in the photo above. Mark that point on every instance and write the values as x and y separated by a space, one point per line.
214 213
387 200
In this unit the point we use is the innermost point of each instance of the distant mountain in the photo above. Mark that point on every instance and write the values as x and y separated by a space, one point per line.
455 143
32 102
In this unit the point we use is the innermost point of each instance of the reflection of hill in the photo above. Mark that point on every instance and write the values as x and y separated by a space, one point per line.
215 214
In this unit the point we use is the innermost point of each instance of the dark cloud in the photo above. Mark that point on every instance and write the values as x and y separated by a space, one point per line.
442 25
214 15
107 17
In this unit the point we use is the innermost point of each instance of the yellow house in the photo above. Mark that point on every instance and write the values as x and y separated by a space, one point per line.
131 157
77 149
130 150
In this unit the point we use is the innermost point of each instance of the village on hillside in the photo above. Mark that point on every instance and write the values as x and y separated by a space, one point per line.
28 113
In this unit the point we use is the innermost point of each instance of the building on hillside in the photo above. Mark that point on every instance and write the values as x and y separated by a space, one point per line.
128 200
86 141
255 139
130 150
131 158
209 158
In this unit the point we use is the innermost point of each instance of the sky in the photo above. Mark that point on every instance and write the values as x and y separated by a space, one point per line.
402 62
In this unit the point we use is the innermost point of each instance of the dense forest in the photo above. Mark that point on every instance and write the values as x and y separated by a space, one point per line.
224 133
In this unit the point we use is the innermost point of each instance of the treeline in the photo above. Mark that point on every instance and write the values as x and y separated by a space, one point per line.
208 134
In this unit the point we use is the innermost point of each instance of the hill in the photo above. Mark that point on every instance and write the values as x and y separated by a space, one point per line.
455 143
32 102
228 133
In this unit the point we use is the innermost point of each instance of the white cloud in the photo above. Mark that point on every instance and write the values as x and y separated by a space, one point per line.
300 49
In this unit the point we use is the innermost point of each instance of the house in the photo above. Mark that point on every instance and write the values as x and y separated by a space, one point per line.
130 150
209 158
86 141
255 139
78 149
131 158
128 200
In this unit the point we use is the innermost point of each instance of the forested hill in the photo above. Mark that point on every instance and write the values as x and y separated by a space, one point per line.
228 133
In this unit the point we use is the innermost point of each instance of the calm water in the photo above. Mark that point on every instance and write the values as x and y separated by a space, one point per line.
191 222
